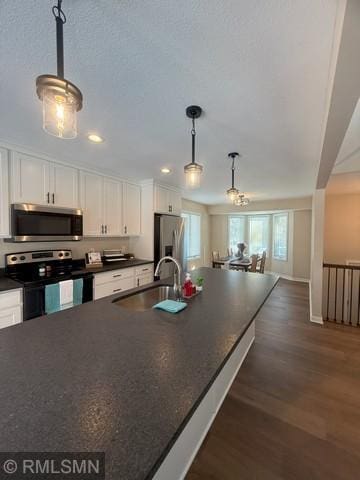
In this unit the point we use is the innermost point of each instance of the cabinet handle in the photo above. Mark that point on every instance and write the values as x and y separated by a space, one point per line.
125 229
138 282
118 275
117 290
53 197
145 269
105 228
102 228
48 197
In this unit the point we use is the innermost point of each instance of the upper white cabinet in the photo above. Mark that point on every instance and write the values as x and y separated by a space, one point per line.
131 209
113 215
64 183
35 180
91 201
111 208
4 194
167 200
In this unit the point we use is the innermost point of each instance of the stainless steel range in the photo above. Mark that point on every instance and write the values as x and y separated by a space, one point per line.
34 270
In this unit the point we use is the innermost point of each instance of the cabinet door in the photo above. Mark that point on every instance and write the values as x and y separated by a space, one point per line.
113 207
175 202
162 199
64 186
144 279
4 194
131 209
91 196
30 179
10 316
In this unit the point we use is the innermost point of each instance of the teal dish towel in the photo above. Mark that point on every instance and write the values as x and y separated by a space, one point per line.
171 306
52 298
78 291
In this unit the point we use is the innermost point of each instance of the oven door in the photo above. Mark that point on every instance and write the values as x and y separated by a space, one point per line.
38 223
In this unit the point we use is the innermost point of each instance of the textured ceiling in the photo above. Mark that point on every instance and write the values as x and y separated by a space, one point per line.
258 68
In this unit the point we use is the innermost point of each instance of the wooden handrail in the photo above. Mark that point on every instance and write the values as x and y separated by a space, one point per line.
346 267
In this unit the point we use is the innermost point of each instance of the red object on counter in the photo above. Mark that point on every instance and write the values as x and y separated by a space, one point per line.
188 286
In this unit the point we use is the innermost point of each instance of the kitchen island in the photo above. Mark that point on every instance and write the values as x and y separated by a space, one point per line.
102 378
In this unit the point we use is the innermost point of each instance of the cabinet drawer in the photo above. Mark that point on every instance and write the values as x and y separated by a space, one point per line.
143 269
10 299
144 279
10 316
113 275
116 286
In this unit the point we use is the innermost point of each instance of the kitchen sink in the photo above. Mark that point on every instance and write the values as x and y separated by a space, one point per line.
145 300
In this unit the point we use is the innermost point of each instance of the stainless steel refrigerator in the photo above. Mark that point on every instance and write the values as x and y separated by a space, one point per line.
169 240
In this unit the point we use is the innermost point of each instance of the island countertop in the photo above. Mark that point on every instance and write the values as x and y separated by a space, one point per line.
98 377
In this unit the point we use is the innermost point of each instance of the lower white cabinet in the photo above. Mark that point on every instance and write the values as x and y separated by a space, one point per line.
10 308
118 281
144 275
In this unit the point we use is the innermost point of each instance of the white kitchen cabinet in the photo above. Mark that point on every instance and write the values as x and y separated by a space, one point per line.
35 180
30 179
64 186
114 281
167 200
144 274
4 194
91 201
113 195
131 209
10 308
101 199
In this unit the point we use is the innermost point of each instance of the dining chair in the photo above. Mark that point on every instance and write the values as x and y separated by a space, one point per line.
261 268
254 260
216 256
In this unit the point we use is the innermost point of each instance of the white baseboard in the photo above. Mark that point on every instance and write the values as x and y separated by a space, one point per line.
315 319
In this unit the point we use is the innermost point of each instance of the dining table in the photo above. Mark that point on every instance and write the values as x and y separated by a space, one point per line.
236 262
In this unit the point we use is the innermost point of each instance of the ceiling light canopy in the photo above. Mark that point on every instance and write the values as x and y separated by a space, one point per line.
193 170
93 137
232 192
61 99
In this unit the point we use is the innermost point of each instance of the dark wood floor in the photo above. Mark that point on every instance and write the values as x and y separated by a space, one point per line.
293 411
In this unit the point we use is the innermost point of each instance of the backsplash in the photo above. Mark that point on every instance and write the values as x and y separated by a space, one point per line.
78 248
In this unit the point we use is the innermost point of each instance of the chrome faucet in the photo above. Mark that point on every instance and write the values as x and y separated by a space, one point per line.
177 275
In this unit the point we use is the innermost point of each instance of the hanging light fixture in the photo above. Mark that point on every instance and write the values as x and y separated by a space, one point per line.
241 200
233 192
193 170
61 99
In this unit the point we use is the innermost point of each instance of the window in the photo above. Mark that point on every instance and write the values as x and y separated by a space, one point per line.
192 234
236 232
280 236
258 234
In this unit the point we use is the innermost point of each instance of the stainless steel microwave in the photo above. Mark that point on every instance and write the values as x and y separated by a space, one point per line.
38 223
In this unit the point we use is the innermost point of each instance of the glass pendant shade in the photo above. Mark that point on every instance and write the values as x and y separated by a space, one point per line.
59 114
193 173
232 193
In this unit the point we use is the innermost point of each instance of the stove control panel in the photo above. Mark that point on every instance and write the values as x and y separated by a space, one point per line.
38 256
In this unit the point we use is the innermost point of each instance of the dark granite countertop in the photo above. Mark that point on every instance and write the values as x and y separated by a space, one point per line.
134 262
98 377
8 284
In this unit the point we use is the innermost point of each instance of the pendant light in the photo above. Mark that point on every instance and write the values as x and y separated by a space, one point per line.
233 192
193 170
241 201
61 99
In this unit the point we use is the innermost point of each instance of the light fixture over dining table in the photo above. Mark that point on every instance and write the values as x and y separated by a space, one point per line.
193 170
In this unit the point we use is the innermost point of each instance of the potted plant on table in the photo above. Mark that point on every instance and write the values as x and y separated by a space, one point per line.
199 284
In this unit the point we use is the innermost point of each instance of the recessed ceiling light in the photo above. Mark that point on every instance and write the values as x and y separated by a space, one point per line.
95 138
165 170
